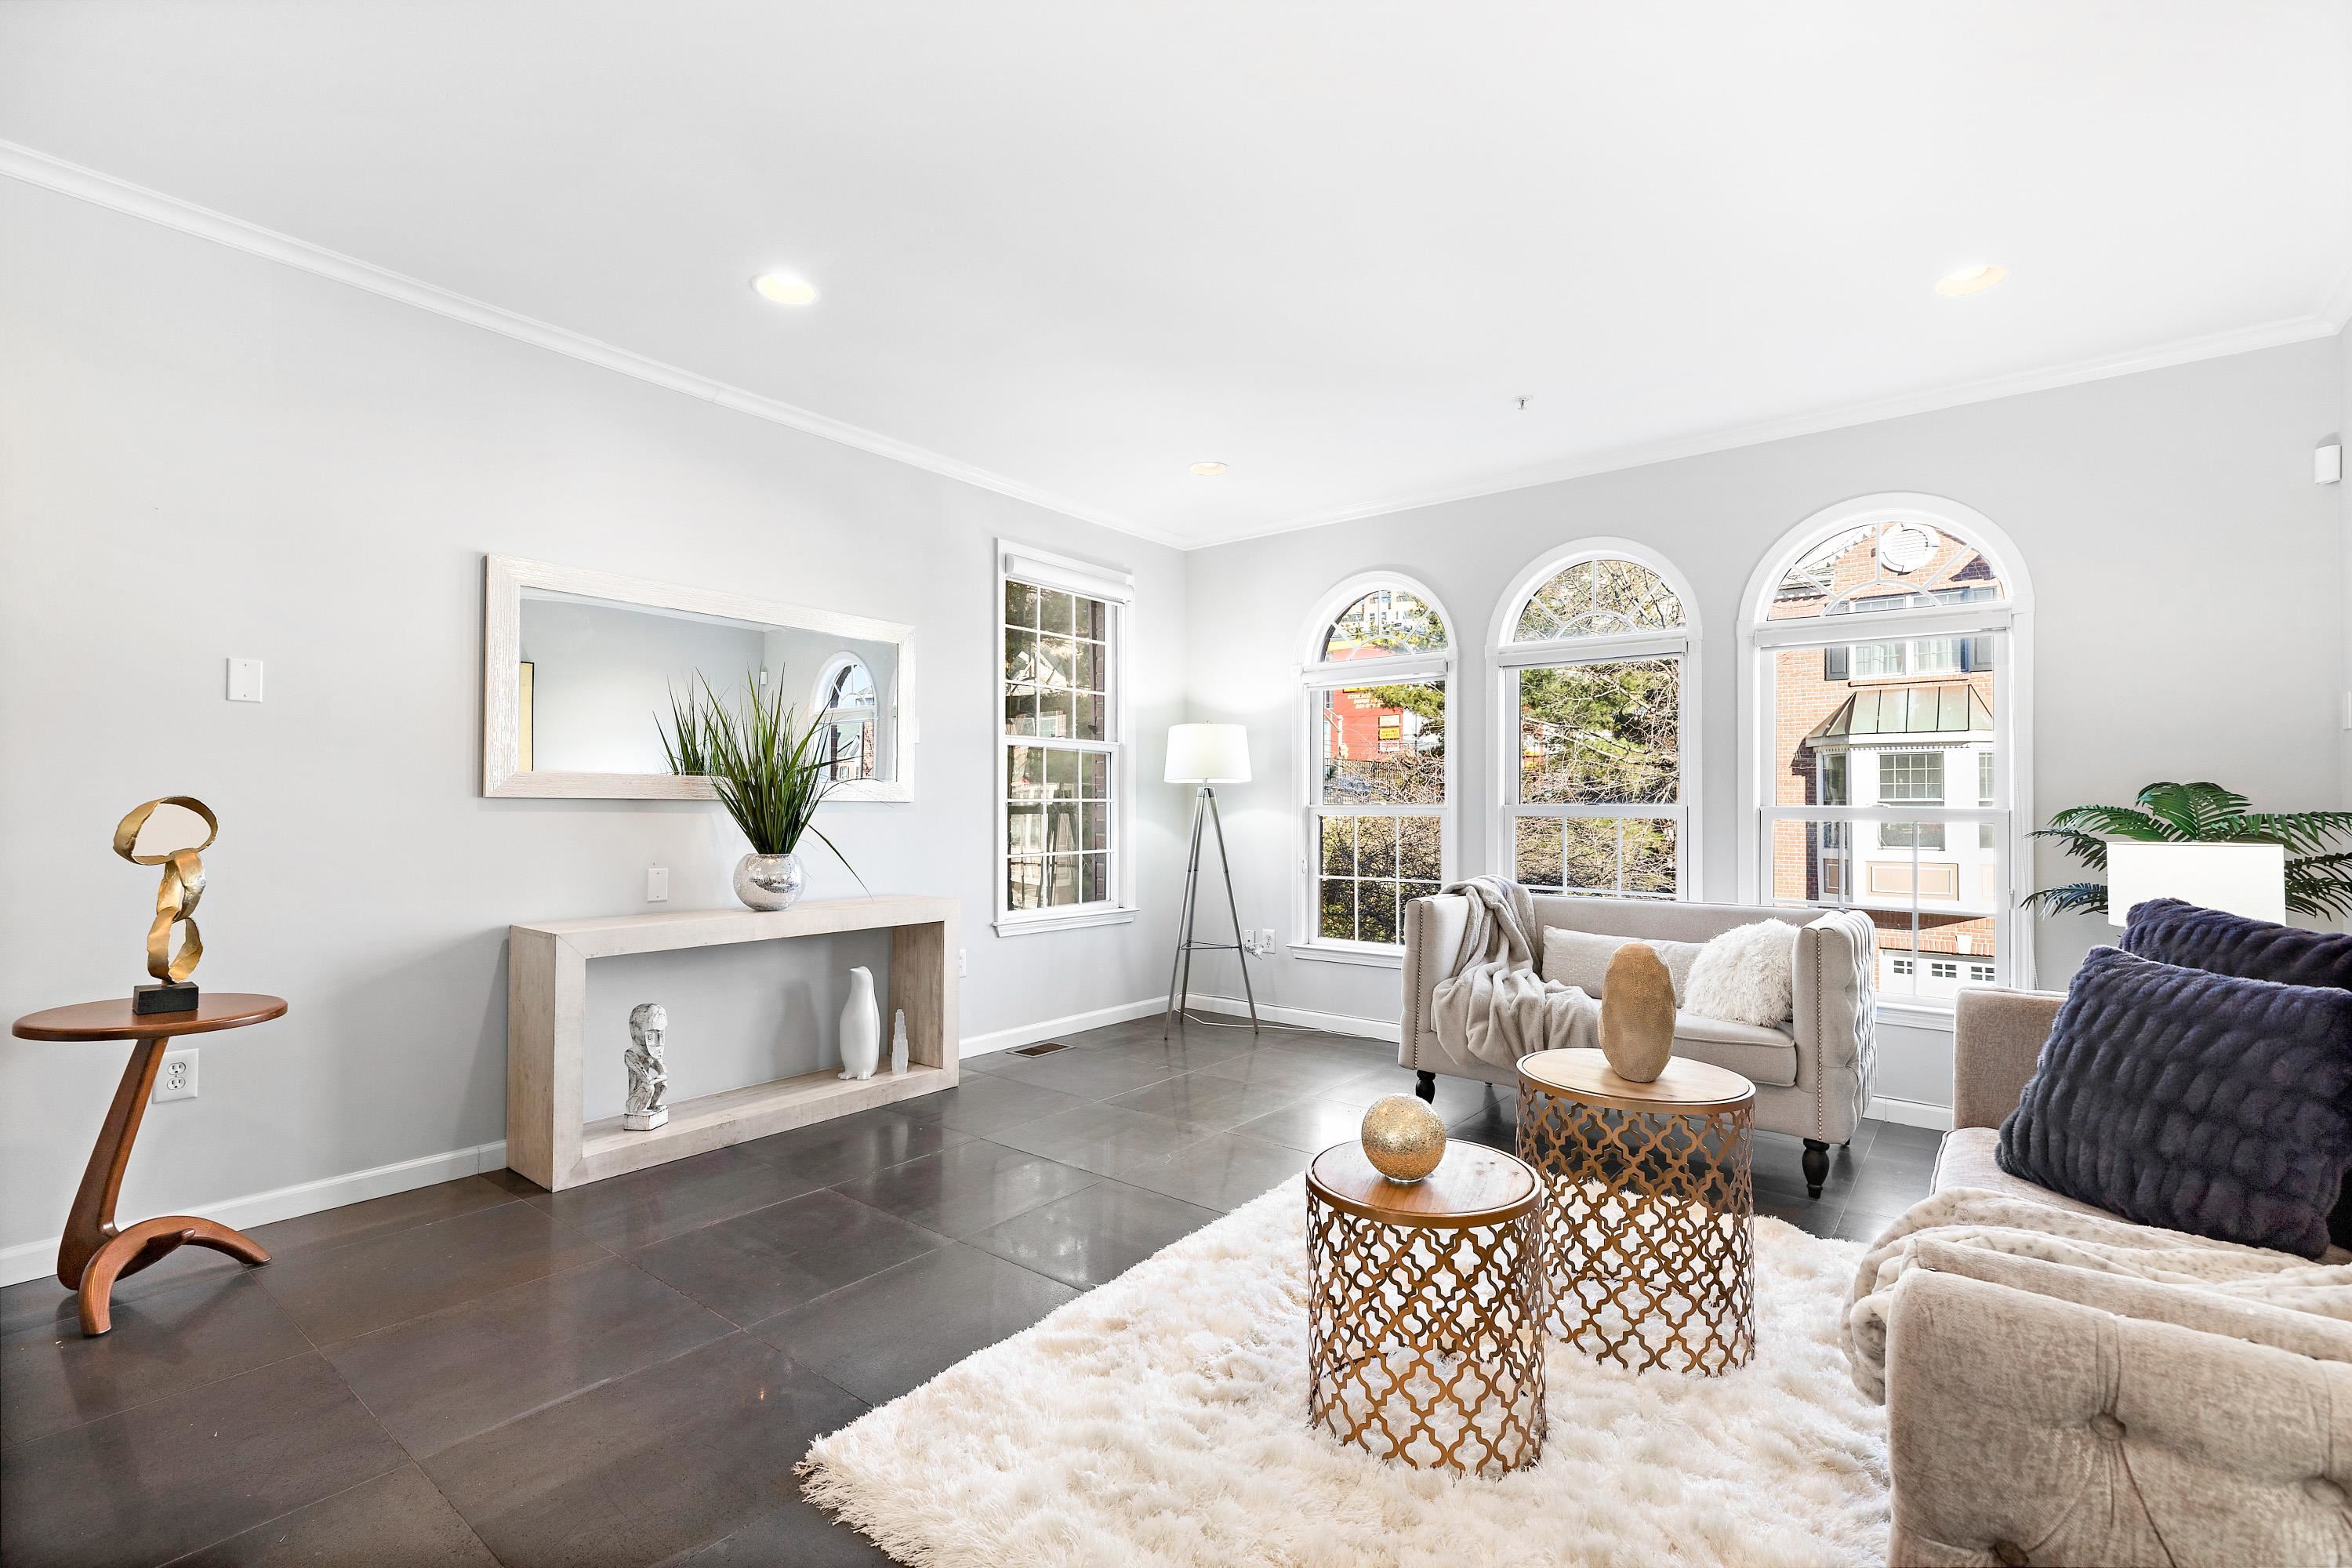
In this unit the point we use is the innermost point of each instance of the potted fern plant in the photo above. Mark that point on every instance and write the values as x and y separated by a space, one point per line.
770 774
2318 875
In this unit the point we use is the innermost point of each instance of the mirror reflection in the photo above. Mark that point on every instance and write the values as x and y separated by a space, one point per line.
594 676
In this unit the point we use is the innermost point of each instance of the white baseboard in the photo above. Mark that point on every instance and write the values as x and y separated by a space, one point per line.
36 1260
1045 1028
1910 1113
1329 1022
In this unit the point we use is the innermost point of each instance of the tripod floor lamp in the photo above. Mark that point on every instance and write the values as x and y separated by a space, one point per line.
1205 755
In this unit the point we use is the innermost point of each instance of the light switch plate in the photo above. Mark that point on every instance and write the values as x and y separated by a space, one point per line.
175 1078
245 680
656 884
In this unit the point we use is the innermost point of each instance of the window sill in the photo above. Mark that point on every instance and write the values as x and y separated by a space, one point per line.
1367 956
1077 920
1914 1016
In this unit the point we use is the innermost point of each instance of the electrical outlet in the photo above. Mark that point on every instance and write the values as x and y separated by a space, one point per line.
656 884
176 1079
1266 942
960 970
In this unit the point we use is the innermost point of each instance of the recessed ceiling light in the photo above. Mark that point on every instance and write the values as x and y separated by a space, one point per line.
1971 279
785 289
1206 470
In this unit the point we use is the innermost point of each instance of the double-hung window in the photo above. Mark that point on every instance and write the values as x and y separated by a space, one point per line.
1880 740
1910 779
1594 654
1064 783
1377 695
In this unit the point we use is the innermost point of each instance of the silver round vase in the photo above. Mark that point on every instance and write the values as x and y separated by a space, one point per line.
769 881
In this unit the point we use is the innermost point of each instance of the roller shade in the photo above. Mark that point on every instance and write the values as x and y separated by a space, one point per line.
1112 584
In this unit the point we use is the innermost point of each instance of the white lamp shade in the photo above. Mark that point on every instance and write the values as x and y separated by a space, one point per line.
1208 753
2247 879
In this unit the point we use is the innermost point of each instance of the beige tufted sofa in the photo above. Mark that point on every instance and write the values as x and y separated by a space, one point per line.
1811 1076
2096 1420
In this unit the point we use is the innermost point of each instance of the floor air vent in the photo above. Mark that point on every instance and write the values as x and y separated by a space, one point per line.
1043 1047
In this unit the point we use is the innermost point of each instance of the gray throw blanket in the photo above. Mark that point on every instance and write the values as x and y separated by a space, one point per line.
2099 1261
1492 1003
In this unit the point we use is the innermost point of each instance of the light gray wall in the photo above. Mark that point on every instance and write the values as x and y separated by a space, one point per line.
207 454
2189 614
2342 433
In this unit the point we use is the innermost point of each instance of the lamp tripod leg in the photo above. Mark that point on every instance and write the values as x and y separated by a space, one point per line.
1241 949
1192 915
1177 964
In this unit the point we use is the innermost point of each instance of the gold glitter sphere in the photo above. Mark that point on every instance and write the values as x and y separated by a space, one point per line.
1402 1138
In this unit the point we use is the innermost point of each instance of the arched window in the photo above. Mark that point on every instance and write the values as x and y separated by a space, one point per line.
1594 647
1378 703
846 709
1884 674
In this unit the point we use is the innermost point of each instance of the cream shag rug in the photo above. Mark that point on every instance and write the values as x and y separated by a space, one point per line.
1161 1420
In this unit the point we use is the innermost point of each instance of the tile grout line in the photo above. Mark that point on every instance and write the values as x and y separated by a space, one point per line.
408 1461
734 1331
558 1273
226 1281
906 1263
406 1458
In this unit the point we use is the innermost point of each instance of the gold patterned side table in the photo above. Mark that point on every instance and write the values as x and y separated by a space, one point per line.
1422 1343
1648 1252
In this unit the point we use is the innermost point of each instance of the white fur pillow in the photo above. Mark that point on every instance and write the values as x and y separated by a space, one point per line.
1746 975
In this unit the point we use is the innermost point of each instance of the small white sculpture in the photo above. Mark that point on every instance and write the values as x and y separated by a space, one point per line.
648 1078
899 1045
861 1027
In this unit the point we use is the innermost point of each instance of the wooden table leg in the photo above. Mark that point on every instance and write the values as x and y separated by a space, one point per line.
93 1254
141 1245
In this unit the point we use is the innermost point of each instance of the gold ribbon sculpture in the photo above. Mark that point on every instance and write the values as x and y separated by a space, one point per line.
184 884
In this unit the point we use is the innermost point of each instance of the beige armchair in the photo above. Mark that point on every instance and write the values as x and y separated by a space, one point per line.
1811 1076
2042 1415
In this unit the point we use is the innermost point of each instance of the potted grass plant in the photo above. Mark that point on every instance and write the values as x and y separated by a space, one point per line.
769 773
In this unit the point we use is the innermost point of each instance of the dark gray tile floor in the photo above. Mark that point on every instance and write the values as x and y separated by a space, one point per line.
481 1372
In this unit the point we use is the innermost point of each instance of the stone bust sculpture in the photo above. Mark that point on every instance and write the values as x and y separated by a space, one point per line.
648 1078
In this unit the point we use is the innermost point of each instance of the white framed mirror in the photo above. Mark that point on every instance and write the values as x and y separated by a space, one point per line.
579 667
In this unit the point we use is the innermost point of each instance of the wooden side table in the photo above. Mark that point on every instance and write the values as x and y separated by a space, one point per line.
93 1254
1422 1343
1648 1255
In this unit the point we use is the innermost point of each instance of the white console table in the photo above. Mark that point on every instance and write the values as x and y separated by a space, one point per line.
547 990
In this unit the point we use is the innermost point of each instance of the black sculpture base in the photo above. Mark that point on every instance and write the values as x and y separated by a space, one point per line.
180 996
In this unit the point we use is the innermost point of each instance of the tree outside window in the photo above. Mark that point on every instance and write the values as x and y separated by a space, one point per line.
1062 747
1377 822
1596 795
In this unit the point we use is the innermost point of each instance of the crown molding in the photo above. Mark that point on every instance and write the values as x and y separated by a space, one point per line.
2184 350
38 168
2338 308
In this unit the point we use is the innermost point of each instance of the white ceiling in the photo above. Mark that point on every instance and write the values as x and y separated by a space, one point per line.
1077 246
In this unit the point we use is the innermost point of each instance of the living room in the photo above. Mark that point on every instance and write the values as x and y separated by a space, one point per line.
1175 784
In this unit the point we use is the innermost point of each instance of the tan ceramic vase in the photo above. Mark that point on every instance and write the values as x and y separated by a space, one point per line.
1637 1013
